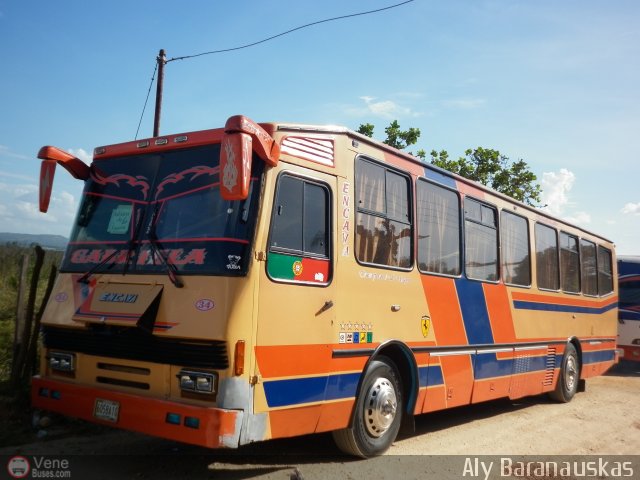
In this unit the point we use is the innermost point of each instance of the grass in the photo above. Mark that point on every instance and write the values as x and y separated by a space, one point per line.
15 408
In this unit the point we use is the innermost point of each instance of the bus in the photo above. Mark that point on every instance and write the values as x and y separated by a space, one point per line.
629 307
261 281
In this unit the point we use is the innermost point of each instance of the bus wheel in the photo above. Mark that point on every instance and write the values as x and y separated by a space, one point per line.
569 379
378 412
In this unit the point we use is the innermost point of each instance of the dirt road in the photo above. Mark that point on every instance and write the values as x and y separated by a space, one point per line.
604 420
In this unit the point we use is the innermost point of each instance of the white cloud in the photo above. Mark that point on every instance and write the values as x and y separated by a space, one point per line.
631 208
19 210
388 109
81 153
579 218
30 211
555 190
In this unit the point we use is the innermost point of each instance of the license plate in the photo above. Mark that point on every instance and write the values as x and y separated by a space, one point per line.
106 410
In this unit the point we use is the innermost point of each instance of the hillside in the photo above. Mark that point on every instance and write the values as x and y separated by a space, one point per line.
55 242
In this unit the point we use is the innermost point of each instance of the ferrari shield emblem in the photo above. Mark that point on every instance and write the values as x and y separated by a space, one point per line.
426 324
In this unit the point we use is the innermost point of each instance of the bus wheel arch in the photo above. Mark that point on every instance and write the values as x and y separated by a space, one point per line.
568 382
385 398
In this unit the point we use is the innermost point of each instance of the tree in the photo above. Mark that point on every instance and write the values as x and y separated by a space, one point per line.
484 165
494 170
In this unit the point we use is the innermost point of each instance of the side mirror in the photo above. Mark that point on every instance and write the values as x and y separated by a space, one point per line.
51 156
235 166
237 152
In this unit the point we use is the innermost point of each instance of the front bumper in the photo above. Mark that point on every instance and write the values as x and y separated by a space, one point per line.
205 426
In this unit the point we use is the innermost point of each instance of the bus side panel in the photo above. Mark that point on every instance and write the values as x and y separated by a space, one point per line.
454 372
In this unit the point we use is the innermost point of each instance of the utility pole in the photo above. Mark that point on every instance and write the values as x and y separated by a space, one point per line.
161 62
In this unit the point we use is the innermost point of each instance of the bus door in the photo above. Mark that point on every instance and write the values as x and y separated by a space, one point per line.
296 309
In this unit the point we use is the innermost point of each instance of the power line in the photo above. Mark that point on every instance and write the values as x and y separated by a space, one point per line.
326 20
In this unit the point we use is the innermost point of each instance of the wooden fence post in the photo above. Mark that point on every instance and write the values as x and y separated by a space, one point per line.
20 360
18 333
32 353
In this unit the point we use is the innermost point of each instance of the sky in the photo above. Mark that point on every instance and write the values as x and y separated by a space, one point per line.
556 84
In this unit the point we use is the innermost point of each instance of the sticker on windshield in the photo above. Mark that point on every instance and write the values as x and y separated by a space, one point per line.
234 260
120 219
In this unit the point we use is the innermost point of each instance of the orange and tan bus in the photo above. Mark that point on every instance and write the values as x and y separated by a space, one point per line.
252 282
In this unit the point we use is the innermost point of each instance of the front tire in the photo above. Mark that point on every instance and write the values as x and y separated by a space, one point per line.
569 377
377 414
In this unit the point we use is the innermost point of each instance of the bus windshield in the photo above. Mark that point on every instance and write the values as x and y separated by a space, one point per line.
170 199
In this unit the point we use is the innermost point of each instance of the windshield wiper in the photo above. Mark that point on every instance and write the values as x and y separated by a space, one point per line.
132 241
85 278
131 244
169 267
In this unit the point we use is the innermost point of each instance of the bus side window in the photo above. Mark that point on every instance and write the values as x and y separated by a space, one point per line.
589 267
516 258
547 257
299 247
605 271
383 219
481 241
569 263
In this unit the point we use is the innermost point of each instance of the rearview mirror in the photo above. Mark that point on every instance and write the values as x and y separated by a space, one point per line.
50 157
237 152
235 166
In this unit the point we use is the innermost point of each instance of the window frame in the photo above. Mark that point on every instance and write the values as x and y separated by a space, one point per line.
493 207
535 244
330 257
526 220
600 247
410 206
460 229
595 248
561 249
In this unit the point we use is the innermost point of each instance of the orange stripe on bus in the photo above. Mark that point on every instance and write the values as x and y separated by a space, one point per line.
296 360
499 309
448 328
335 415
468 189
491 388
294 421
444 308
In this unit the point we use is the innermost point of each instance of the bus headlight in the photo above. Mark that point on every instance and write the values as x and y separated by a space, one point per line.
63 362
199 382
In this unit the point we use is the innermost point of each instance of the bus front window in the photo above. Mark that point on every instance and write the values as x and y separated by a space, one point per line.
172 199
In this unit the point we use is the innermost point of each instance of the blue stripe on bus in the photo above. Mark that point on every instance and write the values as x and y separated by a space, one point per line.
430 375
293 391
440 178
474 311
487 365
555 307
598 356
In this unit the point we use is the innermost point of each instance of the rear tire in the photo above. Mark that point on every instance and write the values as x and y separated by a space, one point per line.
378 412
569 376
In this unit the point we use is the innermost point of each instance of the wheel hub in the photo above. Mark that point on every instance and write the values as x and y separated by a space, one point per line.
571 373
380 407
